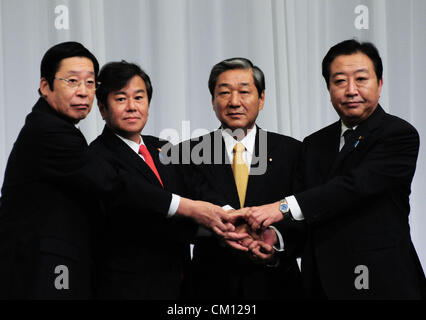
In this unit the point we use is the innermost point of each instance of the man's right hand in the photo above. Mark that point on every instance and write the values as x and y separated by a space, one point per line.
208 215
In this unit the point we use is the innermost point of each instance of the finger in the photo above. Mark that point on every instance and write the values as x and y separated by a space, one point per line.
218 231
260 255
250 221
257 221
236 245
235 236
229 227
244 211
255 225
234 217
267 223
253 245
223 226
265 248
247 242
227 220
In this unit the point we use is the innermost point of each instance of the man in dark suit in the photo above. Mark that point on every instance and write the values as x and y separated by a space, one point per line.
142 254
254 174
355 181
48 207
42 226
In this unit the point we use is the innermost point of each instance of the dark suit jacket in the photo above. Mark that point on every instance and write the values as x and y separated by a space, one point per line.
141 254
357 207
49 208
219 271
44 213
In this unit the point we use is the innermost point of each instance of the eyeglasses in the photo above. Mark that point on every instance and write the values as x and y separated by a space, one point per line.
74 84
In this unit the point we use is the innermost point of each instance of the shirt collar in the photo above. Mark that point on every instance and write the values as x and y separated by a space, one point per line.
133 145
248 141
345 128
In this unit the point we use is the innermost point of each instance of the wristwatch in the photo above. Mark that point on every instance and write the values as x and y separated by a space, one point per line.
285 210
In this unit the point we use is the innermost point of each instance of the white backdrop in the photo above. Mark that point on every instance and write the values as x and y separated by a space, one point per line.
178 41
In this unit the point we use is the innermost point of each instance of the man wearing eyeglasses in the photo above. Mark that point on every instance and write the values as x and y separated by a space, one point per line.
45 245
49 205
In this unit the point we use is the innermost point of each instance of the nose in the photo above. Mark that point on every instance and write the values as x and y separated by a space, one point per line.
235 99
351 89
82 90
131 105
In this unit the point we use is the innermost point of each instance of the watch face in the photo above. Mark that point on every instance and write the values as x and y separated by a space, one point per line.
283 207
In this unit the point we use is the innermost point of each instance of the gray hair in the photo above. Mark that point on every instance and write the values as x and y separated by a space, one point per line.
237 63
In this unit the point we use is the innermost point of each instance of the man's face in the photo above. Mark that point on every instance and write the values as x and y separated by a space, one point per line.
354 90
236 100
127 110
74 103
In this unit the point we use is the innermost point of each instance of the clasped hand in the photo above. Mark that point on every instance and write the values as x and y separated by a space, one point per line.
258 243
245 229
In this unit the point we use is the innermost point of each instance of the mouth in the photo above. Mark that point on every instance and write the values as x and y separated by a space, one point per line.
235 115
80 106
352 104
131 119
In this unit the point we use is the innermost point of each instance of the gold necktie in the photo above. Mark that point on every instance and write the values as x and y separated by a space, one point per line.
240 170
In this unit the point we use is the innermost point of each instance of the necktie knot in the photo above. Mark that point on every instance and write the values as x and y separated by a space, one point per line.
143 150
348 135
239 148
238 153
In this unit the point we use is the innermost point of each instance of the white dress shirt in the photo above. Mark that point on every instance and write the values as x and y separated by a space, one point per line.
174 204
248 141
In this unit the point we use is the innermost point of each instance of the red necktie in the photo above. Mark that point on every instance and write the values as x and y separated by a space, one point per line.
148 159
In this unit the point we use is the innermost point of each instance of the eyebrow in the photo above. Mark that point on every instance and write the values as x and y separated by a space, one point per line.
356 71
122 92
78 72
228 85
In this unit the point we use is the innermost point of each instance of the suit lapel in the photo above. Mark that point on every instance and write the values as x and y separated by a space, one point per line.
127 155
222 171
256 183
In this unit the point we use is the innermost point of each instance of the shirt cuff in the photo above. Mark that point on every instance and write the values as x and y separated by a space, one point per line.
280 240
296 212
174 205
227 207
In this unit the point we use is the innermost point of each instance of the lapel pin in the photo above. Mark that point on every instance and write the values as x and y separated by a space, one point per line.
160 155
357 142
270 159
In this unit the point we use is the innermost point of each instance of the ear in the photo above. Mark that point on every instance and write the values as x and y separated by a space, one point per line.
380 85
44 87
262 100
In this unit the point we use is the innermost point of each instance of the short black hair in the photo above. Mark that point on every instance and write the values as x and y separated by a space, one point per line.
348 47
53 57
115 75
237 63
